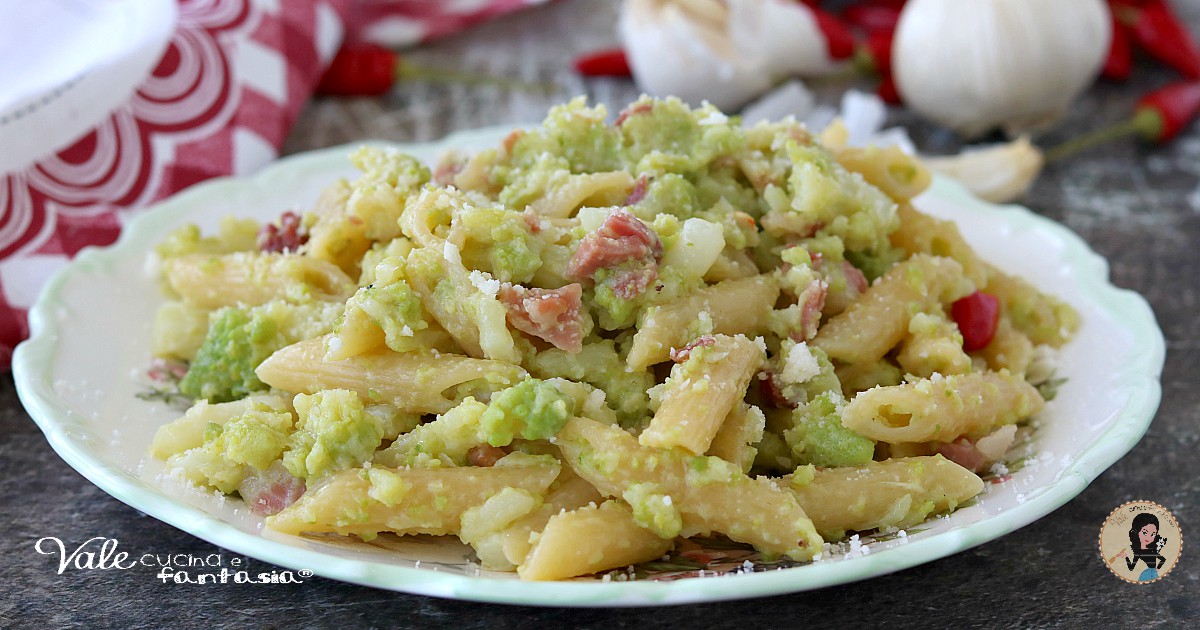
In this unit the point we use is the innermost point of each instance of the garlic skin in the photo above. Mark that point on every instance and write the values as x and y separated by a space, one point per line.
997 173
1016 64
721 51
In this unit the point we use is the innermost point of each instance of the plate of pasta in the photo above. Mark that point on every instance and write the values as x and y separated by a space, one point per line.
657 359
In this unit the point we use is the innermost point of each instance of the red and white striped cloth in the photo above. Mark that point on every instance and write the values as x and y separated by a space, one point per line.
220 101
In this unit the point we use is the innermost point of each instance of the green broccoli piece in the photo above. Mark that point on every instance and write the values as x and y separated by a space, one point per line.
396 308
334 433
239 339
256 438
532 409
818 436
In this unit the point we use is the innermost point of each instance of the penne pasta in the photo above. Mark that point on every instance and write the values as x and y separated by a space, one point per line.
702 391
734 306
368 501
942 409
242 278
887 495
614 540
874 324
416 382
710 495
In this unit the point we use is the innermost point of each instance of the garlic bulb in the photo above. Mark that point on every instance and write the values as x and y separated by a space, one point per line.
721 51
1017 64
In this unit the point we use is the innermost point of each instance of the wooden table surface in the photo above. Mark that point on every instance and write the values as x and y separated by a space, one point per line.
1137 206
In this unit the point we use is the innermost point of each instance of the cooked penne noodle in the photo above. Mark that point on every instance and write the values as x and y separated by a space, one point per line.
1042 318
411 381
242 278
734 306
701 392
920 233
1009 349
942 409
368 501
740 431
874 324
887 495
709 494
603 189
612 538
898 174
933 345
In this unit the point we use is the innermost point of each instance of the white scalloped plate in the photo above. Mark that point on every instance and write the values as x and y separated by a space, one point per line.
77 376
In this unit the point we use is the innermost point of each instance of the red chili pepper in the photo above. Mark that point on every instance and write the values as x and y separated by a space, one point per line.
603 63
879 47
360 70
887 91
1157 30
1158 117
1119 63
839 41
1164 113
872 18
977 316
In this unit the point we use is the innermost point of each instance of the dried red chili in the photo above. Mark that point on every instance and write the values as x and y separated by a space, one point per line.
1156 29
1158 117
1119 63
611 62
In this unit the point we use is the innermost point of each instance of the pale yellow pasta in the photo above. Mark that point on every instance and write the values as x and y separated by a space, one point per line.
601 189
411 381
187 432
590 539
701 392
891 494
1009 349
740 431
878 320
1042 318
514 541
710 494
898 174
856 377
461 303
427 217
337 237
369 501
730 265
933 344
942 409
920 233
178 331
733 306
245 278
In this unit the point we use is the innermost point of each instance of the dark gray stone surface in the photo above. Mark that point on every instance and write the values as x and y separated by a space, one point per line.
1137 206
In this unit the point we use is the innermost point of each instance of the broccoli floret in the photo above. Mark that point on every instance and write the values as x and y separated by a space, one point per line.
653 510
818 436
532 409
334 433
396 308
255 438
388 179
239 339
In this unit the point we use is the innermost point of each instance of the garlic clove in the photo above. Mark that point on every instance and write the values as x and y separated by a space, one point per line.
790 99
998 173
1015 64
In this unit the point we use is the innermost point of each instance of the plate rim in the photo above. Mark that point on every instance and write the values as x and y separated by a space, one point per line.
33 363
